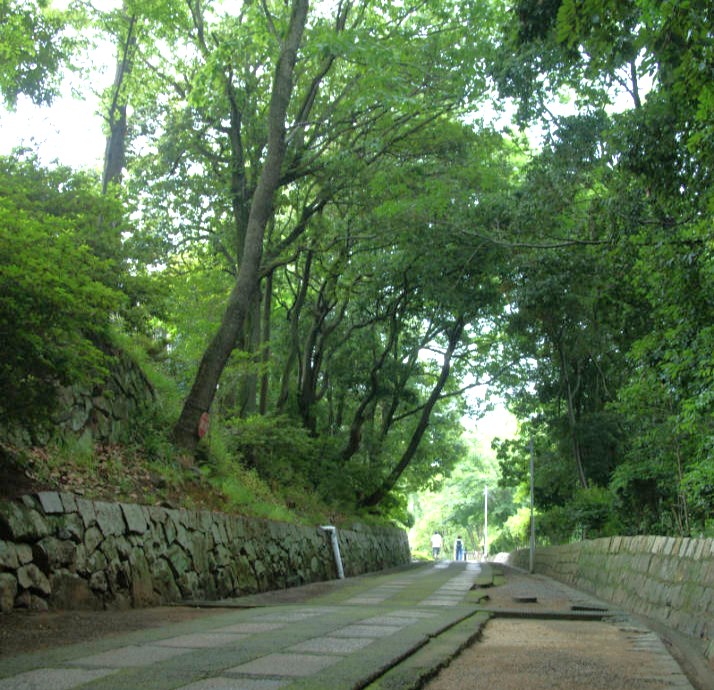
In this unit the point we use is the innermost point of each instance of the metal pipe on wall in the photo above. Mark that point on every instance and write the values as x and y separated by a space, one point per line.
335 549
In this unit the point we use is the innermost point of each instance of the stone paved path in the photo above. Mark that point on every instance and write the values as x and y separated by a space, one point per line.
341 640
380 632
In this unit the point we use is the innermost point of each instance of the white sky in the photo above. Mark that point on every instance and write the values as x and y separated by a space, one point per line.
69 132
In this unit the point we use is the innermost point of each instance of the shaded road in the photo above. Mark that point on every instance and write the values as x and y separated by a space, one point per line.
386 631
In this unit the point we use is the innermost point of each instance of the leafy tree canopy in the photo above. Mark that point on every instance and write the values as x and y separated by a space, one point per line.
347 248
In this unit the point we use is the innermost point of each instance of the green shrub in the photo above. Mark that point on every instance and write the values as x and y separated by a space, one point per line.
57 285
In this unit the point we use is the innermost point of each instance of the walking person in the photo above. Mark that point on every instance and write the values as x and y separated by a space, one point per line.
459 549
436 544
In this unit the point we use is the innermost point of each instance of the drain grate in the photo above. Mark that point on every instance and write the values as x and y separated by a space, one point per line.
589 607
547 614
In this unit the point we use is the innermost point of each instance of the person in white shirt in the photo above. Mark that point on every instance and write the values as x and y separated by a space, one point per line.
436 543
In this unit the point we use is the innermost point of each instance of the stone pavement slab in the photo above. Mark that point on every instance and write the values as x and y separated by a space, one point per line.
368 631
236 684
52 679
199 640
333 642
128 657
332 645
388 631
250 627
284 665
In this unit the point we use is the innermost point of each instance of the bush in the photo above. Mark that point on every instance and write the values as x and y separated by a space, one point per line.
588 515
56 292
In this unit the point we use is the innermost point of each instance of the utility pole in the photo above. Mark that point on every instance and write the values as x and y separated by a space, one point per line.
485 523
531 559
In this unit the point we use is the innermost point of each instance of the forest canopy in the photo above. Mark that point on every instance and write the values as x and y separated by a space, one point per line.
326 225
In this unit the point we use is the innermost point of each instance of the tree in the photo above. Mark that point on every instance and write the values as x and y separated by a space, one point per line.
35 50
643 201
334 132
453 338
246 287
195 149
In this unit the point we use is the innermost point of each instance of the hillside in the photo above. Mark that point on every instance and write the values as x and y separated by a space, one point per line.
116 475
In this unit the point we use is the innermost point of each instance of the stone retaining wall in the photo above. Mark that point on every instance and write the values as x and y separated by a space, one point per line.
61 551
666 578
104 413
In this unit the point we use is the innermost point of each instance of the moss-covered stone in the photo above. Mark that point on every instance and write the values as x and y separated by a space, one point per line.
51 554
21 523
30 577
8 556
122 555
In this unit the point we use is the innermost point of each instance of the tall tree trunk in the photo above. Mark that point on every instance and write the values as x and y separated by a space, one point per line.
313 369
247 284
294 321
249 378
388 484
312 361
115 151
572 419
265 345
390 409
307 383
360 416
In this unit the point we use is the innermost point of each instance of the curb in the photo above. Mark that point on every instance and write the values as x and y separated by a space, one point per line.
437 653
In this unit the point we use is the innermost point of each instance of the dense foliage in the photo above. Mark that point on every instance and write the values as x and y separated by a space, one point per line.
60 281
612 314
348 245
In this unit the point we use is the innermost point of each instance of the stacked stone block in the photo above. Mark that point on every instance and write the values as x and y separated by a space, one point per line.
670 579
58 550
105 413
